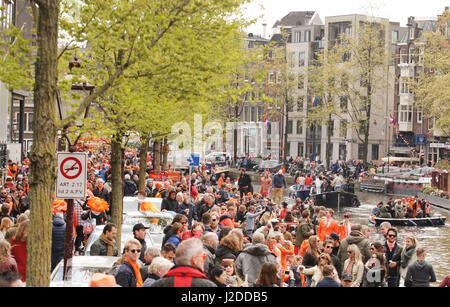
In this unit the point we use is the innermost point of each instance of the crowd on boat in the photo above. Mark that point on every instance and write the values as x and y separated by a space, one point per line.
411 207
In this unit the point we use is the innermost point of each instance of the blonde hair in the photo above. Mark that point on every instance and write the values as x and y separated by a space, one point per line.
6 224
132 242
5 251
355 249
22 231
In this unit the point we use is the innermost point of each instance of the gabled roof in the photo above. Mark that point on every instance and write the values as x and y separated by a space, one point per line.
293 19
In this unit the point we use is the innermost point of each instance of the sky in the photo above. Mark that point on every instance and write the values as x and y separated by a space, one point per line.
395 10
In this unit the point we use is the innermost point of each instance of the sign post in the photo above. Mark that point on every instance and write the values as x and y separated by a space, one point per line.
70 184
72 175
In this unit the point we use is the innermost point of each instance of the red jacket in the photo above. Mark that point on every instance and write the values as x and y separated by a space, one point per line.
184 276
19 252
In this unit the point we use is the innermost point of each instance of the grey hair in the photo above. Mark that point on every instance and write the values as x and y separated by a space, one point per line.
188 249
160 263
153 251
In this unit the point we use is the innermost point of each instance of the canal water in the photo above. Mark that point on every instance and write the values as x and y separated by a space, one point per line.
435 240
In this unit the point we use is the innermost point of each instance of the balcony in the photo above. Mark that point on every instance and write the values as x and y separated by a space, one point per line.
405 126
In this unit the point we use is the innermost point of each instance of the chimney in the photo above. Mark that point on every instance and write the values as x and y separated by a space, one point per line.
264 29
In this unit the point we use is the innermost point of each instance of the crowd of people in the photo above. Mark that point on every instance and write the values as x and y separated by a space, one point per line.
223 233
411 207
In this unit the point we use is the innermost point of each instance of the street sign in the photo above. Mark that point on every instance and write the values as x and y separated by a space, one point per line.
194 160
72 175
421 139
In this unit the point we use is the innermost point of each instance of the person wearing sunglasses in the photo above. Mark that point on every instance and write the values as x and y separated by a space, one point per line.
393 253
128 274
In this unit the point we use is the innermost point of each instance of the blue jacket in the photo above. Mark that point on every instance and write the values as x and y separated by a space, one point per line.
279 181
174 239
58 234
125 276
328 282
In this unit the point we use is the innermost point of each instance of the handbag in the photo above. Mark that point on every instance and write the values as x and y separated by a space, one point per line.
89 225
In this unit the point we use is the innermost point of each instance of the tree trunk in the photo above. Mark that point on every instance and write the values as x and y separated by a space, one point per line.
367 123
117 185
157 155
143 163
165 152
328 143
43 151
285 135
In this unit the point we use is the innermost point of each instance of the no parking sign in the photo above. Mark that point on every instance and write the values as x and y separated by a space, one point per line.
72 175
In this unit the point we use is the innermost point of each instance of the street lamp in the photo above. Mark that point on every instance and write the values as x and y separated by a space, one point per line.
84 89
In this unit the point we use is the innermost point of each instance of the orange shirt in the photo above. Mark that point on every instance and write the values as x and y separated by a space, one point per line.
326 228
12 171
284 253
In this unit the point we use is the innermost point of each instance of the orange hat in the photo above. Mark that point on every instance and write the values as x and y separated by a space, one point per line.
98 204
158 185
249 194
102 280
59 205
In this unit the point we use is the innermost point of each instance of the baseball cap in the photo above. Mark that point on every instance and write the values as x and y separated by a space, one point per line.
334 236
347 277
139 227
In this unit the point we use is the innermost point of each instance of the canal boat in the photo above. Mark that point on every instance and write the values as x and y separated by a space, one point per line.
436 220
336 199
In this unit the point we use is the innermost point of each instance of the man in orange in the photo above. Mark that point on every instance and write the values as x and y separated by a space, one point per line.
327 226
12 169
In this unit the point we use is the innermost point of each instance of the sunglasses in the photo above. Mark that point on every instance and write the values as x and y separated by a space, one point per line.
214 220
328 246
392 236
350 252
135 251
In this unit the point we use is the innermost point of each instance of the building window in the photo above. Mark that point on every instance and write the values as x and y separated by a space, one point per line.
375 151
260 114
301 82
291 59
301 58
300 101
343 129
251 44
297 36
421 55
394 37
307 36
271 77
411 33
300 149
406 112
404 85
411 59
360 151
253 114
299 127
348 30
419 115
403 56
289 127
